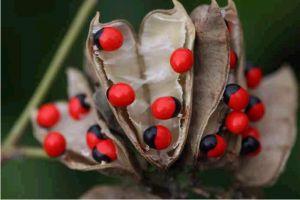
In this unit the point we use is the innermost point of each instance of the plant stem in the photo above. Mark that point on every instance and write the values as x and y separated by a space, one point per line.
29 152
53 68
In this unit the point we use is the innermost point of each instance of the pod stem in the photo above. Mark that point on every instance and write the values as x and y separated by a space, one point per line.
28 152
55 65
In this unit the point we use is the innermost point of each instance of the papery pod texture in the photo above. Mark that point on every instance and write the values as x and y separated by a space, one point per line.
278 130
213 43
143 62
78 155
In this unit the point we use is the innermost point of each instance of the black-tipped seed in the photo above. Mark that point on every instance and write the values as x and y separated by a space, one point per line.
99 157
250 146
207 143
157 137
94 136
236 97
255 109
165 107
78 106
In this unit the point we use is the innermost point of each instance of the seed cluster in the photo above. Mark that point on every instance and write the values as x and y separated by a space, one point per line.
103 148
244 108
122 94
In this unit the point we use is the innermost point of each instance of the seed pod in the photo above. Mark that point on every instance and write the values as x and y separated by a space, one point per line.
144 64
236 39
212 60
277 128
78 154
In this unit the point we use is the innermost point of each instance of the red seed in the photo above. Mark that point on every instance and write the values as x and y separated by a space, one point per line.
48 115
54 144
255 109
120 95
236 122
78 107
182 60
251 142
106 151
253 76
232 59
219 149
163 137
109 39
165 107
236 97
252 132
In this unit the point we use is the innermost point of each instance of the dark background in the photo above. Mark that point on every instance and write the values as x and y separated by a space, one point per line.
31 31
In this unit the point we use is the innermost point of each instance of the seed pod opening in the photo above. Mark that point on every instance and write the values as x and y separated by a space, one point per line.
143 62
77 154
277 128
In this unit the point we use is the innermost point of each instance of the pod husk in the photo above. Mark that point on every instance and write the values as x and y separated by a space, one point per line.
78 155
230 14
138 63
118 192
278 131
210 73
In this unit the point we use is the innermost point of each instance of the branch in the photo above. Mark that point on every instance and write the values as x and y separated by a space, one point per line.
53 68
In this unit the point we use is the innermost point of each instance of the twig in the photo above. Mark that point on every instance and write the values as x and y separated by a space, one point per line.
29 152
54 66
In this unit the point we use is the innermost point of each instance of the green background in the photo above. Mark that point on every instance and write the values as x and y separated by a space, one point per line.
31 31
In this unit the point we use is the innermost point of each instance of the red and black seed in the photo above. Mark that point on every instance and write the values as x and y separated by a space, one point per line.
83 103
230 90
96 130
96 37
149 136
255 109
208 143
157 137
99 157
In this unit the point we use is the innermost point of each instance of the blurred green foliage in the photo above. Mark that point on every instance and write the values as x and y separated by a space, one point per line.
31 31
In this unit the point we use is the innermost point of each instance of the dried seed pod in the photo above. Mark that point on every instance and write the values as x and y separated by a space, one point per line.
78 155
118 192
234 25
210 72
144 63
277 128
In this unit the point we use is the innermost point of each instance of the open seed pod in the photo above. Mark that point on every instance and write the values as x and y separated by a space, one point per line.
77 154
118 192
234 26
210 74
278 130
144 64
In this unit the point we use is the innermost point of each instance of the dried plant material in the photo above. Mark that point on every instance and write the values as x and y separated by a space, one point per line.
78 155
210 73
278 91
230 14
118 192
144 64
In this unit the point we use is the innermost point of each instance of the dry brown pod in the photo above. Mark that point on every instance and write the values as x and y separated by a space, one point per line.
143 62
210 73
278 131
234 25
78 155
118 192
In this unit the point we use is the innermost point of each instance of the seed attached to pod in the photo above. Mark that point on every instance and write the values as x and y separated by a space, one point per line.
78 107
236 122
54 144
250 142
253 75
213 145
120 95
236 97
94 136
232 59
165 107
108 39
105 151
182 60
157 137
255 109
48 115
